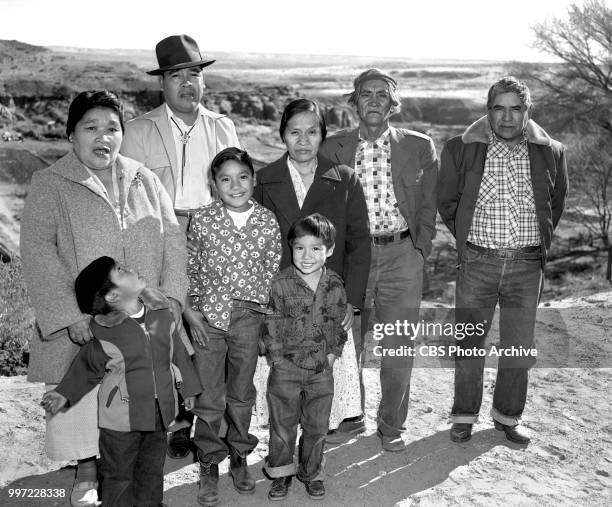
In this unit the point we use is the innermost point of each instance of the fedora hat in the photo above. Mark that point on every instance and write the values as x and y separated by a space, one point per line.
178 52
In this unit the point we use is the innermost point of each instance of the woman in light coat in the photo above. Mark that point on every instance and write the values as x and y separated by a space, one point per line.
90 203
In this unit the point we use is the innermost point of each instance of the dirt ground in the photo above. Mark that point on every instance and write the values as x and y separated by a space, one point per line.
568 413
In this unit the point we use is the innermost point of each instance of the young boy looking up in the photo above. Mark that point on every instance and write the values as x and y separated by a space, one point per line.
238 253
303 336
139 357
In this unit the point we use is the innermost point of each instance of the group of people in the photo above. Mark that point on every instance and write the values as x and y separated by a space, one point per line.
161 266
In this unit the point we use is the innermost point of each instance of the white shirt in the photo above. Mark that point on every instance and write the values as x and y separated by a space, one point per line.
240 217
192 182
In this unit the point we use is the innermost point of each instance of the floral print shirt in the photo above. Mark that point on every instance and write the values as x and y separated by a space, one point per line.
231 263
305 325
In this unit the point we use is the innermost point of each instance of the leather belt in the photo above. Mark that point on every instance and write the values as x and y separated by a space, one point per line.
505 252
185 213
390 238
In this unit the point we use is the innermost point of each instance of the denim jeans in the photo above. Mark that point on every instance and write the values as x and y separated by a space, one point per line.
226 367
514 280
296 395
393 294
132 466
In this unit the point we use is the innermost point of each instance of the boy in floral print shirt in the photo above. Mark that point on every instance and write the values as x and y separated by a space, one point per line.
239 250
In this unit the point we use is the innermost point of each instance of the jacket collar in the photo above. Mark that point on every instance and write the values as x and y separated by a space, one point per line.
72 169
161 113
153 299
279 172
479 131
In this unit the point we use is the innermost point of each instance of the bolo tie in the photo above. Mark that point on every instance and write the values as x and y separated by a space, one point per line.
184 141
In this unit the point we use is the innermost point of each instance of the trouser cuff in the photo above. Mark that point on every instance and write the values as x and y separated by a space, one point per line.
280 471
504 419
387 430
464 418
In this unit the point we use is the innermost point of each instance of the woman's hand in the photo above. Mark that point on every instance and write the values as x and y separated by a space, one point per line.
79 332
52 401
189 402
196 326
347 323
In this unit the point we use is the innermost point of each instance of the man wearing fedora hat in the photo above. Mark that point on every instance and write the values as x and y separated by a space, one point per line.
179 139
398 170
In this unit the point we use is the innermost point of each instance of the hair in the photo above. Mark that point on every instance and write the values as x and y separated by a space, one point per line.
509 84
315 225
92 284
353 97
302 106
232 153
91 99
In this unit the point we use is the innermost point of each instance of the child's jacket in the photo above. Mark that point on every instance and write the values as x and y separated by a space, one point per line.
305 325
133 366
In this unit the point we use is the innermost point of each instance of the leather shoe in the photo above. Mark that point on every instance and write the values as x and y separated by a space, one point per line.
392 444
208 492
461 432
513 433
315 489
352 426
243 482
279 488
179 445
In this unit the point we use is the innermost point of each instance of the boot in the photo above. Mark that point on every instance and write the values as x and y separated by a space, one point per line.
208 492
243 482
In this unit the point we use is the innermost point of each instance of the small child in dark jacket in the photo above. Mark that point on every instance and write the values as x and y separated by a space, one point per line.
138 357
303 336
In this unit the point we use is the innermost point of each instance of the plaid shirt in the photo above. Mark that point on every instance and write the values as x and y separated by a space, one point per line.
505 213
231 263
373 168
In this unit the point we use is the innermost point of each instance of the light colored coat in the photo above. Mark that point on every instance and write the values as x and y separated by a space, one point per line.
67 223
149 139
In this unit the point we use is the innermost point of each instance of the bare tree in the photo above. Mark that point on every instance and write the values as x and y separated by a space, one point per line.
591 176
579 92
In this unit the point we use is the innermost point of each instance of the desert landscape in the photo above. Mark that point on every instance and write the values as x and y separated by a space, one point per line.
569 460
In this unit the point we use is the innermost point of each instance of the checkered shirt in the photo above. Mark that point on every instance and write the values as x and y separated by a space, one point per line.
505 214
373 168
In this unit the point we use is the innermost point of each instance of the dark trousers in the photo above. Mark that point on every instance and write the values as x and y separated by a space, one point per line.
514 280
226 367
132 466
298 396
394 290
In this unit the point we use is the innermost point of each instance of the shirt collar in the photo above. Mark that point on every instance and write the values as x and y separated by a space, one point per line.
181 122
380 140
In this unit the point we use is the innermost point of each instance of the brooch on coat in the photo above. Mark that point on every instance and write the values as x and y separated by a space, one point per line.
137 181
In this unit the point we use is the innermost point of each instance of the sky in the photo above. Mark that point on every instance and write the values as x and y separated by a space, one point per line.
437 29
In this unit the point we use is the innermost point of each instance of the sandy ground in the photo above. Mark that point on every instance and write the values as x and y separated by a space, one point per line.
568 413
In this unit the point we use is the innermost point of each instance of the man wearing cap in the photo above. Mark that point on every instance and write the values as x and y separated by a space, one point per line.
398 171
179 139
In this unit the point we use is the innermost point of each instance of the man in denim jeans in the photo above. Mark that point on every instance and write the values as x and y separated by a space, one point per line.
398 169
501 193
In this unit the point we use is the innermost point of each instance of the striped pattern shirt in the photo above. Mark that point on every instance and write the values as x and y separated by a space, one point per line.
505 214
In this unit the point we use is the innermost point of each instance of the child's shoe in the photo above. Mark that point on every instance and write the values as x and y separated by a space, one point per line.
279 488
208 492
315 489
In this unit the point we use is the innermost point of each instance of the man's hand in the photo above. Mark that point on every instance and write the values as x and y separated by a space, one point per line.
331 359
52 401
189 402
196 325
79 332
347 323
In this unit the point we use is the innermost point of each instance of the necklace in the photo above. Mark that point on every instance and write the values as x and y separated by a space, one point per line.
184 139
